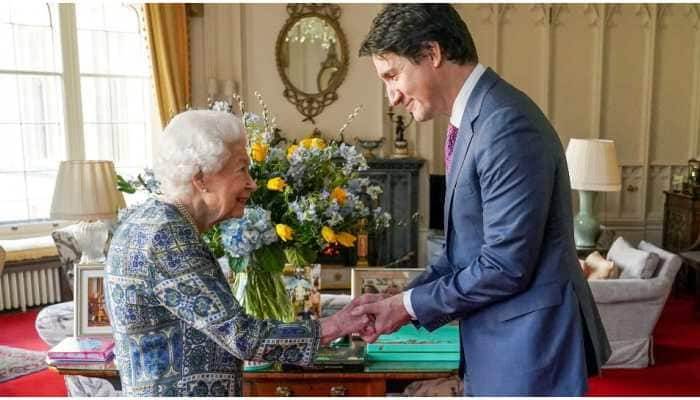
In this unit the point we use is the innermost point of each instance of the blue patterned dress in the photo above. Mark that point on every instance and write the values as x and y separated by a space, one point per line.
177 328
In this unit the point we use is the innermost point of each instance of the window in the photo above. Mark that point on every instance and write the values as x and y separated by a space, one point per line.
31 110
40 111
115 84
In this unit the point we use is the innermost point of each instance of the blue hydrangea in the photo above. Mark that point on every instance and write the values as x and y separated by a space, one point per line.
242 236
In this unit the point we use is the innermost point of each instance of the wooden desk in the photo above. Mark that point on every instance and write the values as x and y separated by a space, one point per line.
375 379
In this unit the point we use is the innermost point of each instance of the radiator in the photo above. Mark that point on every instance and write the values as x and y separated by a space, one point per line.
22 289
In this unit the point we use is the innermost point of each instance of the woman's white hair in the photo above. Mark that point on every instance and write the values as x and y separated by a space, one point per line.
195 141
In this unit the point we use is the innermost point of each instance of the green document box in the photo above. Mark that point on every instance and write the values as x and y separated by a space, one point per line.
411 344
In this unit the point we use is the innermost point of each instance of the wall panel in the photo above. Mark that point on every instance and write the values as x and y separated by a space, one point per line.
623 81
572 87
673 75
521 48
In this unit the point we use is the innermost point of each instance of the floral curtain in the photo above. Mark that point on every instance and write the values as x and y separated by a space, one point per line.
166 27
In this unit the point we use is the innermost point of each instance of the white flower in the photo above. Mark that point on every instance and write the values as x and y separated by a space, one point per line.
221 105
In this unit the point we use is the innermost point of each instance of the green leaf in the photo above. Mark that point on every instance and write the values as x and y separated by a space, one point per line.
124 186
212 238
270 258
300 257
237 264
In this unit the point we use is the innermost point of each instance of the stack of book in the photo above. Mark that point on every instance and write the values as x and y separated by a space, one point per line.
82 349
409 344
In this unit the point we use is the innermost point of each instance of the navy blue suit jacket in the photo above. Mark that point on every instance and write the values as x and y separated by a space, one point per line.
509 271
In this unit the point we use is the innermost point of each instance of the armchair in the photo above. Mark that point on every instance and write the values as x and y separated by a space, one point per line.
630 309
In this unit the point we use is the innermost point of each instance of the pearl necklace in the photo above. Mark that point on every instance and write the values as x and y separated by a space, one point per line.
185 213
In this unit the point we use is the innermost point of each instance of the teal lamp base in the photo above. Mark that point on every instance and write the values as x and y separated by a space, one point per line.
586 225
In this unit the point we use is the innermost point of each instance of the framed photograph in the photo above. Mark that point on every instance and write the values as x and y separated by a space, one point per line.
381 280
90 308
303 286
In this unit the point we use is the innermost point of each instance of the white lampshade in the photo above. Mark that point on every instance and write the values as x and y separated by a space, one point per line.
593 165
86 190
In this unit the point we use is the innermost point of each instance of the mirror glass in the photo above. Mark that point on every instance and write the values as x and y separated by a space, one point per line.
312 57
312 53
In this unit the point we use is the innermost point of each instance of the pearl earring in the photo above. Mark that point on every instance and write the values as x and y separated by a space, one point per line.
204 190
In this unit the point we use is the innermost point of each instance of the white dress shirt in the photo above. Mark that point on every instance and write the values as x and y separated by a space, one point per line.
458 108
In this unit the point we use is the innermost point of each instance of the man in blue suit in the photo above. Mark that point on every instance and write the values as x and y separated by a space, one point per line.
509 272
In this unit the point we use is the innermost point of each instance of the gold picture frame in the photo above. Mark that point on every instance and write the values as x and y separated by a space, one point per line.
381 280
90 308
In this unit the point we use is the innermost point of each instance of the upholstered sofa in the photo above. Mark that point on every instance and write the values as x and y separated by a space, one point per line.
630 309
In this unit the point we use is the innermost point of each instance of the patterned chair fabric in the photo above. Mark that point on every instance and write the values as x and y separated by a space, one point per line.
68 253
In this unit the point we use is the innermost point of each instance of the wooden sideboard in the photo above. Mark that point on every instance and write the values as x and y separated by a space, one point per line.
681 225
398 178
333 383
681 231
373 379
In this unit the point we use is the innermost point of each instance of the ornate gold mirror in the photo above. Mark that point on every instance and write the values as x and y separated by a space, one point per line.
312 57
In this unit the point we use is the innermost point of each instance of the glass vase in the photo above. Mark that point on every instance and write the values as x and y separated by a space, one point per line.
262 294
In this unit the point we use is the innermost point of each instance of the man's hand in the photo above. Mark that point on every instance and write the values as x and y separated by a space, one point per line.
389 315
343 323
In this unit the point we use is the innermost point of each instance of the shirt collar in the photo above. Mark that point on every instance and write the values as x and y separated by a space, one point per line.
463 96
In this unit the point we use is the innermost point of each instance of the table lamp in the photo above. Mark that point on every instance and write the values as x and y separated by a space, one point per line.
86 190
593 167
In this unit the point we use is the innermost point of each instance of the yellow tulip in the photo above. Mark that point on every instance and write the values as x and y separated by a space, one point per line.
307 143
284 232
277 184
346 239
291 149
339 195
328 234
259 152
318 143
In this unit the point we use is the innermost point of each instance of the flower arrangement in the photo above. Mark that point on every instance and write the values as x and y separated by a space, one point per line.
311 192
310 199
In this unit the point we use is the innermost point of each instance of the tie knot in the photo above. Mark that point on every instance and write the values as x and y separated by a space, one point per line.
451 130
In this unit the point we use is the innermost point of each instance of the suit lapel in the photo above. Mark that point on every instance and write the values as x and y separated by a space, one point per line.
464 139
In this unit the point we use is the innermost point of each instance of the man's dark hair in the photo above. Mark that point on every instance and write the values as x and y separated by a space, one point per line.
406 30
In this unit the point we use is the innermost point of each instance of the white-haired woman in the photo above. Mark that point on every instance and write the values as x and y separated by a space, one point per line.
177 328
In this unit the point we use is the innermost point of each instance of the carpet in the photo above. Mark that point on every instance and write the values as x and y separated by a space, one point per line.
16 362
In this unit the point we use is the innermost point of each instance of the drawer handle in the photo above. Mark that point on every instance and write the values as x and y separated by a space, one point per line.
283 391
338 391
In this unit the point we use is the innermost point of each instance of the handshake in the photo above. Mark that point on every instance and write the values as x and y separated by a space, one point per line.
370 315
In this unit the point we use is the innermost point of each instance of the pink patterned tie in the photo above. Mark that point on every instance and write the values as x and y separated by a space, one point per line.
450 146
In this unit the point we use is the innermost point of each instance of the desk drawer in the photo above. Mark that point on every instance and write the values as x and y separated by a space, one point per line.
330 387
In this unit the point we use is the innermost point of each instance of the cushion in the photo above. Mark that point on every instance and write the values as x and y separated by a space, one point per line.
633 263
28 249
585 269
600 267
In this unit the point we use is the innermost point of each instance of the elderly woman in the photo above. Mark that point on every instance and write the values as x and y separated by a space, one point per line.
178 330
